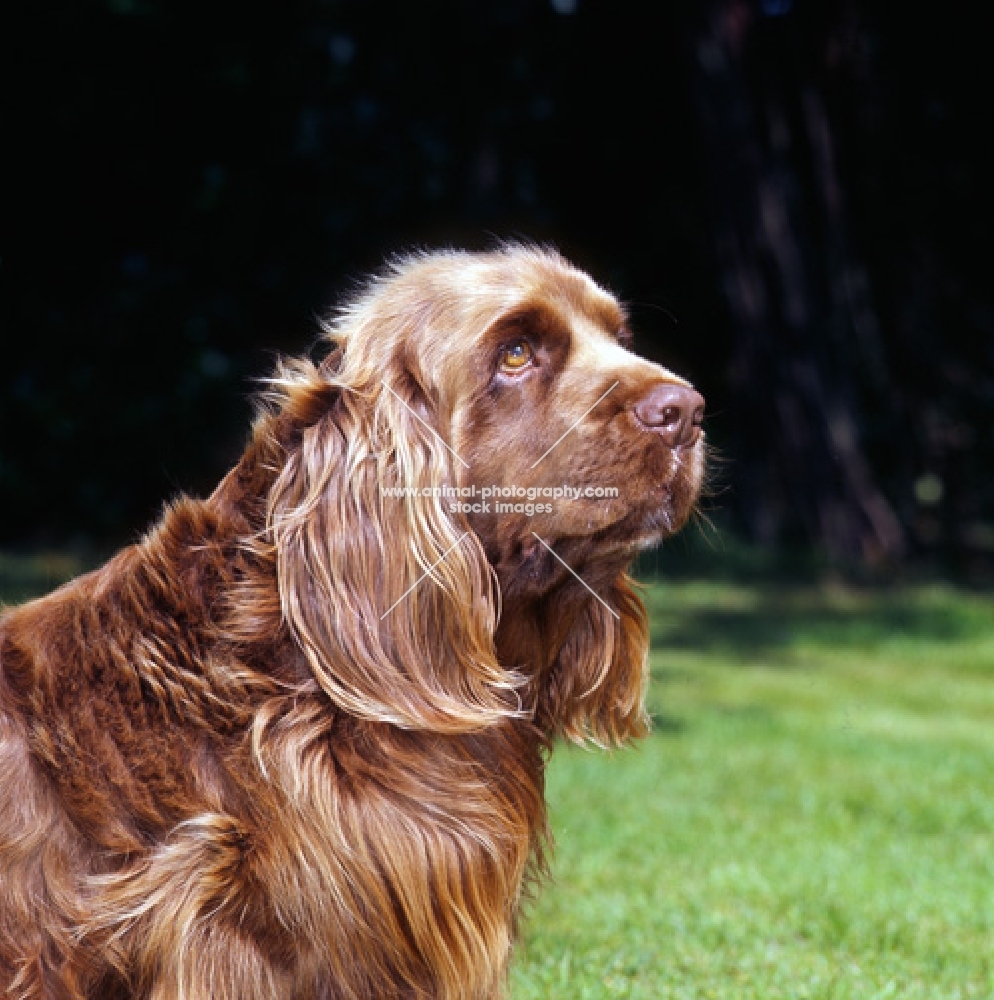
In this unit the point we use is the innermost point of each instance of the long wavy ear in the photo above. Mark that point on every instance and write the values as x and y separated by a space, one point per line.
390 598
595 688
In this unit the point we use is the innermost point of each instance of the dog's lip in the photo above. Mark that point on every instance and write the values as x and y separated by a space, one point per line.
644 524
658 495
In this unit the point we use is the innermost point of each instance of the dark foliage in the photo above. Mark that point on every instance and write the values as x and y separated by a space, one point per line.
188 186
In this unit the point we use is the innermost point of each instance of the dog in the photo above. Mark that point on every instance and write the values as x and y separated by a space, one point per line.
291 744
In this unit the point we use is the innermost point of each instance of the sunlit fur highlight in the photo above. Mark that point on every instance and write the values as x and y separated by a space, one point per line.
259 754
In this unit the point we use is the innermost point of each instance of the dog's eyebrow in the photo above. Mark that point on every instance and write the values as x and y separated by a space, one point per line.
536 318
608 314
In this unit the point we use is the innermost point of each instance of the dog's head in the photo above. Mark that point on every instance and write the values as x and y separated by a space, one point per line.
481 435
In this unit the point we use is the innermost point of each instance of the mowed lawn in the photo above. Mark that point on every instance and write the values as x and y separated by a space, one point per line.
812 817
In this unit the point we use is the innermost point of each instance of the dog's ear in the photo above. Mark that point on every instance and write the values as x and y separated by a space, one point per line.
595 687
390 598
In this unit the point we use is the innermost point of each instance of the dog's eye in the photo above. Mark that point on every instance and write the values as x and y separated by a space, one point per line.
516 356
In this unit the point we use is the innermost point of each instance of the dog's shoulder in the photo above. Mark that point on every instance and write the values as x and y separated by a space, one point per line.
111 677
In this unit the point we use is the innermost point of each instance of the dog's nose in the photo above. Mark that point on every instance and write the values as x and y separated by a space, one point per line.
674 412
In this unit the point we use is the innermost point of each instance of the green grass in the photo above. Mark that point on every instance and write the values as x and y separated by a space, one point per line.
813 817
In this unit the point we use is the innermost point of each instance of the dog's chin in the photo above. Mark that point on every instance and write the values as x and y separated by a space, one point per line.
652 531
667 518
663 512
535 565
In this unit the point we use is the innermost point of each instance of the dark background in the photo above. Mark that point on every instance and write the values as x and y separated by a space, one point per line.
793 198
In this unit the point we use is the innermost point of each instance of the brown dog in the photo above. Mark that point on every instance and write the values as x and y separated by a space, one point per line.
291 745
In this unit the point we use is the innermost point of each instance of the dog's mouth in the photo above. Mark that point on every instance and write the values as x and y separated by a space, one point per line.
538 558
539 546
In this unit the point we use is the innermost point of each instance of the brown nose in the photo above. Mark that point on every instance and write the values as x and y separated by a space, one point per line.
674 412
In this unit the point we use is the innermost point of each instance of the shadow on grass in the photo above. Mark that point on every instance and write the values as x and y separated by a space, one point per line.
666 725
781 618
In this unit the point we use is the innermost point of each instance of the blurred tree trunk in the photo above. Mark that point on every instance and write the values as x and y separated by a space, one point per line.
807 341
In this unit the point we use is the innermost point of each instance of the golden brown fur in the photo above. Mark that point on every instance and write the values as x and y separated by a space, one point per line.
253 756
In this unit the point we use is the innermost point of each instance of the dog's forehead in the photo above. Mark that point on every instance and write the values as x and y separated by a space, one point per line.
600 310
553 280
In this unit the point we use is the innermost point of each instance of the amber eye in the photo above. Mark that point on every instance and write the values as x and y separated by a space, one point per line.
516 356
